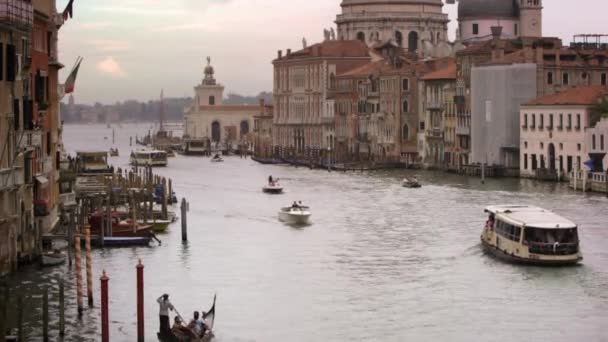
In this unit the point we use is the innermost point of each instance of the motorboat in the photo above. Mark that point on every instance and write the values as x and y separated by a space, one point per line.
298 215
53 258
273 188
410 183
530 235
217 159
158 226
152 158
120 228
186 334
114 152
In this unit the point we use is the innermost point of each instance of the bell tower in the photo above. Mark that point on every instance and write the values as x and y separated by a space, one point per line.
531 18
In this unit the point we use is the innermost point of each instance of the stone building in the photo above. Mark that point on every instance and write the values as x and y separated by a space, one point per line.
596 140
518 18
409 23
262 131
226 127
557 133
303 112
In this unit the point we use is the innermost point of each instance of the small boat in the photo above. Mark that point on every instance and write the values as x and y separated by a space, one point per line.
295 215
273 188
119 228
530 235
123 241
410 183
114 152
187 335
152 158
53 258
158 226
217 159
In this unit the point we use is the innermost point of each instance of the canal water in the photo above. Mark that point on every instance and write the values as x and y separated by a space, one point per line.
378 263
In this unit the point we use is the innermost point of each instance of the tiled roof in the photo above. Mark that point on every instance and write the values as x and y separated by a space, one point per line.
331 48
574 96
447 72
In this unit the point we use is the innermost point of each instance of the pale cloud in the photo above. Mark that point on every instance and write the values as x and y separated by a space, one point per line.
108 45
110 65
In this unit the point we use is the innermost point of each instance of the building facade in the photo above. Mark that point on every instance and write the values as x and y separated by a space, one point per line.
596 140
262 130
225 127
556 133
304 113
408 23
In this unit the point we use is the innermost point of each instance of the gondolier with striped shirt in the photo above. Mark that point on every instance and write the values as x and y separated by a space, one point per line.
165 305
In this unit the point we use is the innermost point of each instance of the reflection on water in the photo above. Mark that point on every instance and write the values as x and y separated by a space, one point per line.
378 262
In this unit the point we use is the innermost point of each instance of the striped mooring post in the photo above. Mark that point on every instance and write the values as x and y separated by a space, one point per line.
78 262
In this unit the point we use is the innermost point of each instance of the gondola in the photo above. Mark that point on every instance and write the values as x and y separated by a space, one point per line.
187 336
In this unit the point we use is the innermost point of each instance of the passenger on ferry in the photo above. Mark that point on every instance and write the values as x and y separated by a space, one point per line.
490 221
270 182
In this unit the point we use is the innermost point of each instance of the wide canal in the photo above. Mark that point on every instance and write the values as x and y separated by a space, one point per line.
379 262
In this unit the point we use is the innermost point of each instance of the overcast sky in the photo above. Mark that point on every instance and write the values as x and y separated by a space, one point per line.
133 48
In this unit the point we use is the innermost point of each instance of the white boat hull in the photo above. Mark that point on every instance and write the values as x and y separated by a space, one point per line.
297 217
272 189
53 259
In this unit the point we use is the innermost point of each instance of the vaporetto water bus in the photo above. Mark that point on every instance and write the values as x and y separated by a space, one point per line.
149 157
530 235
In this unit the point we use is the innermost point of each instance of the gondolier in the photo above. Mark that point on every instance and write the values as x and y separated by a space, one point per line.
164 307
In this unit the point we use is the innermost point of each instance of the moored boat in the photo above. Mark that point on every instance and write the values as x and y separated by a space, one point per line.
123 241
410 183
120 228
158 226
298 215
53 258
152 158
530 235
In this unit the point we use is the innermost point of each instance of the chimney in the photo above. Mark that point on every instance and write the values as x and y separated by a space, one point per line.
280 54
498 45
288 52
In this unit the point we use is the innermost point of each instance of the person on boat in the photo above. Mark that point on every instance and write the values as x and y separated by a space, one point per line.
490 221
164 307
295 205
270 182
204 323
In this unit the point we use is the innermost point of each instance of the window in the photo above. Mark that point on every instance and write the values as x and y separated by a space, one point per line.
399 38
578 121
569 121
601 142
406 84
561 121
549 77
525 144
569 162
561 146
550 121
525 161
361 36
534 162
516 29
578 147
525 121
542 146
508 231
593 142
406 106
533 121
541 122
211 100
406 133
603 79
565 78
578 162
475 28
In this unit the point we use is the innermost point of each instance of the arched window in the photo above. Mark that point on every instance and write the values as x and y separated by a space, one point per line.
399 38
406 133
361 36
332 81
406 106
412 41
244 128
216 133
211 100
438 37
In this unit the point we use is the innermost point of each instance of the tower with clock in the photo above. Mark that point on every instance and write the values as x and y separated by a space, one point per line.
531 19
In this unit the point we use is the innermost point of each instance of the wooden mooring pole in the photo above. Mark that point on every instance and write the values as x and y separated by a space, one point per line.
140 301
45 315
20 331
61 308
87 246
78 262
105 317
184 208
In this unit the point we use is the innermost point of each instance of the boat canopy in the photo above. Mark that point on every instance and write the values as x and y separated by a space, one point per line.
530 216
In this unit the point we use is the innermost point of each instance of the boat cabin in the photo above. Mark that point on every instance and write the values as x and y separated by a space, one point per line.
149 157
92 162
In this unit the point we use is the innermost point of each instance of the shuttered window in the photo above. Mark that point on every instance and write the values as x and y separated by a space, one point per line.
16 114
11 60
2 62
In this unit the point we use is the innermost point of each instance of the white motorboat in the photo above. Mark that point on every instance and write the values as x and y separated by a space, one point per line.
149 158
410 183
295 215
53 258
273 188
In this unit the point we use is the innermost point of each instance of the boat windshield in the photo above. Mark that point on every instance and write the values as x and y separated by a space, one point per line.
159 156
551 241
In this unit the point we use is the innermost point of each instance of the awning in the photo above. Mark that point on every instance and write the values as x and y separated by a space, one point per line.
42 180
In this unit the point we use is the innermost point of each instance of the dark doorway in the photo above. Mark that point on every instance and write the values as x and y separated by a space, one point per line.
412 41
244 128
552 157
361 36
216 132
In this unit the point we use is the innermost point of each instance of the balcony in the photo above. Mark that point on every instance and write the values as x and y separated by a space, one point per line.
68 199
10 178
30 139
45 165
463 130
17 13
328 120
434 105
434 133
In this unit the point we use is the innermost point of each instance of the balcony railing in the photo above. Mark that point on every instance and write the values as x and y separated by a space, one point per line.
463 130
436 133
434 105
18 13
68 199
30 139
328 119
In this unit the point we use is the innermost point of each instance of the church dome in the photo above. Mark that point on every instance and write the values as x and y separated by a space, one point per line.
488 9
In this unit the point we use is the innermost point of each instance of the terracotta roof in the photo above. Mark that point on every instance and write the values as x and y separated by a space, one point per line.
331 48
574 96
447 72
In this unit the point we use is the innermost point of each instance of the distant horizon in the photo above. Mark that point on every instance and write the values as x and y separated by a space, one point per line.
134 48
